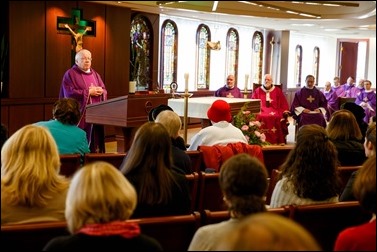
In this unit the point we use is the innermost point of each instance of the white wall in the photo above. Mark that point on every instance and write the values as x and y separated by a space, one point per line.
187 54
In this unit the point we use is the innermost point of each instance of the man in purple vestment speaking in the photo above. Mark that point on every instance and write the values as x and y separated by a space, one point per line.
84 84
229 90
274 111
309 105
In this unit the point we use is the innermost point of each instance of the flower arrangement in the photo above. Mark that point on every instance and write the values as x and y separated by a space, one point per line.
250 127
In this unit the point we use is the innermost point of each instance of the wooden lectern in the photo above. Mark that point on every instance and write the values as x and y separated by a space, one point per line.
125 113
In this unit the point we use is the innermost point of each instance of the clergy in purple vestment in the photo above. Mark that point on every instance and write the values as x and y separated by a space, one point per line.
84 84
229 90
309 105
337 87
332 100
274 111
367 100
349 89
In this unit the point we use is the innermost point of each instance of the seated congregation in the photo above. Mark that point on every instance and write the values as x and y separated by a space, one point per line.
151 190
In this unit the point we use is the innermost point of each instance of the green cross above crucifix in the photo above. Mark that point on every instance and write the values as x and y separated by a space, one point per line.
78 28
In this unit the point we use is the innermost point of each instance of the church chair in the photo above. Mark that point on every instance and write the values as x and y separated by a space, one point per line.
271 185
210 194
173 232
31 236
70 163
193 180
257 85
115 159
196 157
325 221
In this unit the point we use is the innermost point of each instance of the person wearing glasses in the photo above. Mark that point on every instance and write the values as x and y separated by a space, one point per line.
84 84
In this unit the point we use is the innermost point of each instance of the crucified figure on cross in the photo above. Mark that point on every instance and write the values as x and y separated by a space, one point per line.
78 36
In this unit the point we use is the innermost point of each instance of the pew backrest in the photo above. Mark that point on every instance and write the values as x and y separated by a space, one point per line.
325 221
31 236
193 181
115 159
70 163
210 194
173 232
196 157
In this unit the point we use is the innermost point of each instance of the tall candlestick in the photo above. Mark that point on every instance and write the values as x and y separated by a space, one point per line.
186 82
246 81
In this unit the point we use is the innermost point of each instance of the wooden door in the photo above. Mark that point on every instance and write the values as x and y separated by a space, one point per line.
348 60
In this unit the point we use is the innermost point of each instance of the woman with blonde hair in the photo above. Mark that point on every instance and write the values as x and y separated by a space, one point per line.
99 201
31 188
173 124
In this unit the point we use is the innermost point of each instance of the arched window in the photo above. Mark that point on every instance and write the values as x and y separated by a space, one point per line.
257 57
140 53
316 64
232 49
169 54
298 65
203 34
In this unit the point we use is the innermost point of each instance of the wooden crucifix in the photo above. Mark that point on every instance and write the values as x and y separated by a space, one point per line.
76 27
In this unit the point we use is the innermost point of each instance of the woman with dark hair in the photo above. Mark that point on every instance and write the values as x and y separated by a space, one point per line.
243 181
68 136
370 150
345 134
149 167
309 174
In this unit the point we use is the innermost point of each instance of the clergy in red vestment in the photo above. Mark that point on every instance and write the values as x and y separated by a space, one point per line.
309 105
84 84
274 111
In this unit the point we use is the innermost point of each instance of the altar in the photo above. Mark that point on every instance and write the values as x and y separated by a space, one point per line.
198 106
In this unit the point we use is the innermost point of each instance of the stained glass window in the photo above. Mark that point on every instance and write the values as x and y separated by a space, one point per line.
169 54
203 57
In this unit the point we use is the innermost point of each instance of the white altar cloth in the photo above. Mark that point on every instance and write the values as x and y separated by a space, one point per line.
198 106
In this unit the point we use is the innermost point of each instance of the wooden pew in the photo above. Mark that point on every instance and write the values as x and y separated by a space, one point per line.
115 159
70 163
271 184
173 232
211 217
196 157
193 180
325 221
274 156
210 195
31 236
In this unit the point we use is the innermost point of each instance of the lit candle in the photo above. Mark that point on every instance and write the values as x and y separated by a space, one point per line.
186 82
246 81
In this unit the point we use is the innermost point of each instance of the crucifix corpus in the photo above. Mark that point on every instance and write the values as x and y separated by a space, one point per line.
77 27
